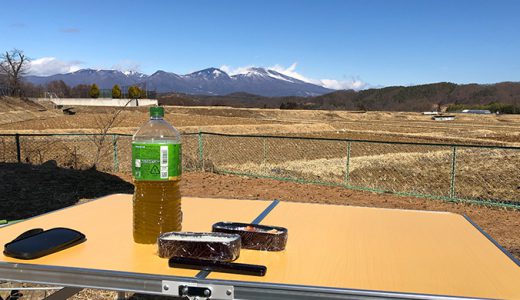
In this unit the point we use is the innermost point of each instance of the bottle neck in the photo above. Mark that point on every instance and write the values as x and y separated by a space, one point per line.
156 118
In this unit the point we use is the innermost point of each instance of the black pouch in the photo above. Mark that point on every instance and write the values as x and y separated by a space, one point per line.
216 266
37 242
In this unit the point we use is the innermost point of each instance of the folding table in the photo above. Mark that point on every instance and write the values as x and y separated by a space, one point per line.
333 251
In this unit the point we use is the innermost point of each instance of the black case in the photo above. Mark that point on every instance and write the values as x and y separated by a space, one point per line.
36 243
217 266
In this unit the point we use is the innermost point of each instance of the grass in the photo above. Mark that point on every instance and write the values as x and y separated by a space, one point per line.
480 174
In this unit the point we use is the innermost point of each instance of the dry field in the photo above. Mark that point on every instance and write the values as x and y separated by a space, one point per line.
426 173
487 174
413 127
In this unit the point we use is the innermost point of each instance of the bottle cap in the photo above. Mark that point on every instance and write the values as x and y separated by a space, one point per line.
156 111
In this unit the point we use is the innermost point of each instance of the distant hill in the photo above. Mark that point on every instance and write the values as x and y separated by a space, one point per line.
18 110
394 98
11 104
424 97
211 81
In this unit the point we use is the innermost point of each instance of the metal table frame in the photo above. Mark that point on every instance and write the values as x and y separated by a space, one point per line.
76 279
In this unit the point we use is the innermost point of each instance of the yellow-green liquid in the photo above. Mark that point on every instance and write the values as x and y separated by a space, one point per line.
157 209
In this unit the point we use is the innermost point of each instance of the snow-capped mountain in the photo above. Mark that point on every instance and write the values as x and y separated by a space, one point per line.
267 82
261 73
211 81
134 74
103 78
208 74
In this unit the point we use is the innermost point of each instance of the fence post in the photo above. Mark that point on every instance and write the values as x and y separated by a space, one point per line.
347 164
453 169
18 151
116 160
201 151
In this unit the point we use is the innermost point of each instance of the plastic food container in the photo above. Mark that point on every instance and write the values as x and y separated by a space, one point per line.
254 236
209 246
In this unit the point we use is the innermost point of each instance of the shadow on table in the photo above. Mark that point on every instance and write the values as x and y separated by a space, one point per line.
27 190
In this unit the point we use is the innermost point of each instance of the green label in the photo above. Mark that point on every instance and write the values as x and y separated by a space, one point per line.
156 161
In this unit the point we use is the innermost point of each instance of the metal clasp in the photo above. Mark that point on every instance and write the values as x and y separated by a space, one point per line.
196 291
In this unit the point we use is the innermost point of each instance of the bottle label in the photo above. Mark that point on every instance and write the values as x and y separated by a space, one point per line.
156 161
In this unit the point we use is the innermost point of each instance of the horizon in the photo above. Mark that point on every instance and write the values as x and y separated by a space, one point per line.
334 44
244 71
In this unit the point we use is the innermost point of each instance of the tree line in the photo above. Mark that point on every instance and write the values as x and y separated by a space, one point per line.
501 97
494 107
60 89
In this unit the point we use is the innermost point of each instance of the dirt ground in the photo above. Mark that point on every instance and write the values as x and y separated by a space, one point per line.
28 190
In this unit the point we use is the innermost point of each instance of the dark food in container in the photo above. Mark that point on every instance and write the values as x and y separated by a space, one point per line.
256 237
209 246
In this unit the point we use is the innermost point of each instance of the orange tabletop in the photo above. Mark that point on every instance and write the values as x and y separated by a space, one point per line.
337 247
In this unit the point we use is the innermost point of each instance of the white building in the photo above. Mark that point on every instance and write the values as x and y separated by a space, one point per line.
443 118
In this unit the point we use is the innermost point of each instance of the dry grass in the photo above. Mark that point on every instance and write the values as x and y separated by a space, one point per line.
421 169
477 129
480 174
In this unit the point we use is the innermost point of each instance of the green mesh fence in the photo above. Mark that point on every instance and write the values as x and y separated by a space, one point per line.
8 148
477 174
398 168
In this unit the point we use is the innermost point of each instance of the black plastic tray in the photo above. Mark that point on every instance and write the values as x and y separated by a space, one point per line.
37 242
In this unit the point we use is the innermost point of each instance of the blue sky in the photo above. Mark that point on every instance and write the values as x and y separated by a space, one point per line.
348 43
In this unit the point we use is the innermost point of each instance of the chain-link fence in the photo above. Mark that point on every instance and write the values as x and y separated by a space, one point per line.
478 174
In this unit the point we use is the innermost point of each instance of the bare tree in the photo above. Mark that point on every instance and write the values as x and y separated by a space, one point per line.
59 87
104 123
13 65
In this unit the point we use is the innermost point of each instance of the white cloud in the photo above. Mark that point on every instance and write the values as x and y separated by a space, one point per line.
127 65
234 71
291 71
51 65
353 83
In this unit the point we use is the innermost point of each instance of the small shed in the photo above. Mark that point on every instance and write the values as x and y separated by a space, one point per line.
476 111
443 118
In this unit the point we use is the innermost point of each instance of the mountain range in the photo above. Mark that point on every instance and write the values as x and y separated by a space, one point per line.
503 97
211 81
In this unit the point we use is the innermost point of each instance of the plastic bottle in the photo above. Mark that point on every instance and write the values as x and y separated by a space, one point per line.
157 168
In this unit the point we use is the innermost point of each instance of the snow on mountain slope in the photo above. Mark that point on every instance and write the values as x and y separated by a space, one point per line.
210 81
